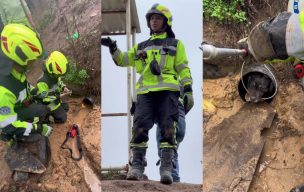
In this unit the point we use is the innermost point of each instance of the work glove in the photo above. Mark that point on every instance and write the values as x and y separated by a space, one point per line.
108 42
188 100
133 107
43 129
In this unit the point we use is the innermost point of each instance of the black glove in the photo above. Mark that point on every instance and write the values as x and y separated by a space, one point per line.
132 110
108 42
188 98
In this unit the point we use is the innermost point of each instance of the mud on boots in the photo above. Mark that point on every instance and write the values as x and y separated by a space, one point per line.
137 164
166 165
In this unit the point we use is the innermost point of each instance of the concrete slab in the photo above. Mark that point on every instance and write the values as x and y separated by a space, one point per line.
232 149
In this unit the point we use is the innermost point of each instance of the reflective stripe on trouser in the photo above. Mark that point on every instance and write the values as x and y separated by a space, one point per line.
159 107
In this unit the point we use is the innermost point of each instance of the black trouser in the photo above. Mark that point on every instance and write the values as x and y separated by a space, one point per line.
155 107
25 114
59 114
32 111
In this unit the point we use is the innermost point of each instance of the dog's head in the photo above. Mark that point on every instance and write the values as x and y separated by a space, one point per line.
258 85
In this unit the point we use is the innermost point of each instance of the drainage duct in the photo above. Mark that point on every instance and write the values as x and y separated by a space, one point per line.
253 69
211 52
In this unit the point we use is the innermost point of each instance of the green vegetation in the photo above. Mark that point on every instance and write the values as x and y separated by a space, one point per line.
224 10
75 75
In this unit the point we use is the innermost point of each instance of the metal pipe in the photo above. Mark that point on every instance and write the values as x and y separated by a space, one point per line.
121 168
211 52
128 33
28 13
114 114
133 69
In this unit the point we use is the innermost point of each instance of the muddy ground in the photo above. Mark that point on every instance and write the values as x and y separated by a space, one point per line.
63 173
147 186
55 21
280 166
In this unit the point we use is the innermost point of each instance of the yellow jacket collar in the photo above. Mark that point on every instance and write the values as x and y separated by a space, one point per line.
20 76
159 36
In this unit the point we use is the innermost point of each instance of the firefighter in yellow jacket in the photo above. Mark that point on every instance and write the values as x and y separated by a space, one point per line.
19 46
161 62
49 86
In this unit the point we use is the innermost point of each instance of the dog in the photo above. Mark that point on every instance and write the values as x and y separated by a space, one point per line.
258 87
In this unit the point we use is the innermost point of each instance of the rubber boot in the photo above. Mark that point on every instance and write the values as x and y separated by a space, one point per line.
137 164
166 166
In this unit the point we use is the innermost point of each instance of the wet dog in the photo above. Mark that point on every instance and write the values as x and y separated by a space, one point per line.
259 86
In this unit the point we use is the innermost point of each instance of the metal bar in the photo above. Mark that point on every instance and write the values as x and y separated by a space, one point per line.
121 168
133 70
113 114
110 12
27 13
114 33
211 52
128 33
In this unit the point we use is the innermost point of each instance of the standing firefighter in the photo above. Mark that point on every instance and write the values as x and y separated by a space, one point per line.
161 62
19 46
50 85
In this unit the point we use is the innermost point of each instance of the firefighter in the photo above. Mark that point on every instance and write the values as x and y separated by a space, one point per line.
280 37
49 86
161 62
19 46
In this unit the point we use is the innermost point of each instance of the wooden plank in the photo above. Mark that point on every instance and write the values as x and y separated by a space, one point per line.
232 149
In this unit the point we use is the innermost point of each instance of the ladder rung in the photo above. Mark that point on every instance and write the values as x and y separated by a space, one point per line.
113 114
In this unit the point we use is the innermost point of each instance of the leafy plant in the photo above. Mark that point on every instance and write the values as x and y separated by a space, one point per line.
75 75
224 10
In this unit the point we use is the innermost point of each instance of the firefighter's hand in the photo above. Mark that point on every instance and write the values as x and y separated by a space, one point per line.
188 101
66 90
44 129
108 42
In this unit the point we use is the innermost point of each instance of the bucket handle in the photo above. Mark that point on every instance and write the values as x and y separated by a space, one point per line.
276 83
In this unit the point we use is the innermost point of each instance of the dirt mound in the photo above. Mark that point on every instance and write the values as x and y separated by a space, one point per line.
280 166
63 173
146 186
72 27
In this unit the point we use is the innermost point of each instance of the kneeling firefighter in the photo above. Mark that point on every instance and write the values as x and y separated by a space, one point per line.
49 86
18 118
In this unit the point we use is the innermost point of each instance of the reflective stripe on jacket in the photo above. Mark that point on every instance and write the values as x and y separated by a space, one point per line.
171 57
13 93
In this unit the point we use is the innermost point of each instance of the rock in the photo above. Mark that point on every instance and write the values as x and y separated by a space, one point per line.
20 176
50 186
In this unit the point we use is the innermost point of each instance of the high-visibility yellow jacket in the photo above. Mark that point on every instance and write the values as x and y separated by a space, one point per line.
48 89
13 92
171 57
